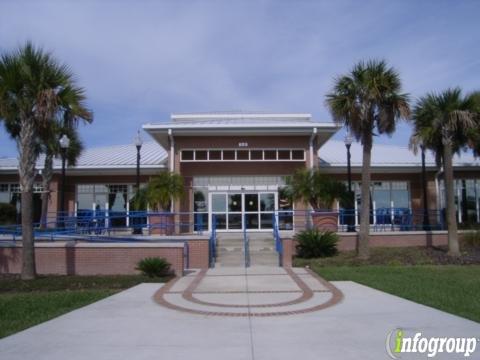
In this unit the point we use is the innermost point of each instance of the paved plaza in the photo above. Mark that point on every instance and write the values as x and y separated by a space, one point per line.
230 313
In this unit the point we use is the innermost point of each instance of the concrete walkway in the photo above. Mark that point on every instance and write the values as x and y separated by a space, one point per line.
133 325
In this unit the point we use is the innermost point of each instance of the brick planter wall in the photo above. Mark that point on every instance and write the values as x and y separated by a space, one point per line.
325 220
380 239
395 239
90 259
161 224
288 251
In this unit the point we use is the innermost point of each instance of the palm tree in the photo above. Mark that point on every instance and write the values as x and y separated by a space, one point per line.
314 188
31 84
368 100
447 123
161 190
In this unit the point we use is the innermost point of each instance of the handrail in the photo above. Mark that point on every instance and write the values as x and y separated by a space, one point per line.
277 239
246 242
212 243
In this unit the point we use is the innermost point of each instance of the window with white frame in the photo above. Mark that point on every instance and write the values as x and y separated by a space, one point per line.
189 155
467 200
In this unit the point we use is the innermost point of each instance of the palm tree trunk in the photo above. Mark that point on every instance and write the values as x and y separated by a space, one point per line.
26 172
47 174
28 267
363 250
453 247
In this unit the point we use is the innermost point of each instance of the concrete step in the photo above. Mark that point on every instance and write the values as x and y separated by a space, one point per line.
230 250
264 258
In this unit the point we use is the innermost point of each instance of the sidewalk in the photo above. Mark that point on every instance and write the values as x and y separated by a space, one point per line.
133 325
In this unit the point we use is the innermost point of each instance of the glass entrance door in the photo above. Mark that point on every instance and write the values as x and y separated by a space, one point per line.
238 211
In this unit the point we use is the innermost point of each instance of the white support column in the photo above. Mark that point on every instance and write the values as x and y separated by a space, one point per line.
172 163
312 139
172 150
459 199
128 214
355 204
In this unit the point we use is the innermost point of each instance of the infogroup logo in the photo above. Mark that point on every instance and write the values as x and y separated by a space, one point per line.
397 344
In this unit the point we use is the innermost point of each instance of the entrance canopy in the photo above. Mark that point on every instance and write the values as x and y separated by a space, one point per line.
241 124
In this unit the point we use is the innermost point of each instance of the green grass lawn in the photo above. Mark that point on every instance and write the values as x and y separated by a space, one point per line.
27 303
451 288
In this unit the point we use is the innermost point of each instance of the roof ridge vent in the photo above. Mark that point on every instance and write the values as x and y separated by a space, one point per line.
250 116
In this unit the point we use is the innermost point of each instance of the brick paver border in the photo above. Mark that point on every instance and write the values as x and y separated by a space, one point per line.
307 294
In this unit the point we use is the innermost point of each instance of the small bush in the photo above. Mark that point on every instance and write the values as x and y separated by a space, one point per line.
8 214
472 238
314 243
154 267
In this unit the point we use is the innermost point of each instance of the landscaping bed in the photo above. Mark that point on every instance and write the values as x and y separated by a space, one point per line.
27 303
398 256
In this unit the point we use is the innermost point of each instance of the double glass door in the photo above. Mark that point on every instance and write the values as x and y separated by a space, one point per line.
239 211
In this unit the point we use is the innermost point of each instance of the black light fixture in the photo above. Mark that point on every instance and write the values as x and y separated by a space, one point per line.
64 144
350 212
138 142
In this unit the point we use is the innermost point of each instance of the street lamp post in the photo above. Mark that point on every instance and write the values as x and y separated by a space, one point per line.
64 144
138 141
426 218
351 215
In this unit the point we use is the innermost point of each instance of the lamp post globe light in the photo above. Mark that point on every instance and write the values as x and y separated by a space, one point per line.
138 142
350 212
64 144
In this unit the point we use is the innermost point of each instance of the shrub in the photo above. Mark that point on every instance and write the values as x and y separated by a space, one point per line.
8 214
154 267
315 243
472 238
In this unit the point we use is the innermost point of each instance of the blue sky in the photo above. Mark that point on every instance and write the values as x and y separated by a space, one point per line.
140 61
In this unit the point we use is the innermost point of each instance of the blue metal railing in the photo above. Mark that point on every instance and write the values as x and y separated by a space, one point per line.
212 243
103 224
277 239
246 242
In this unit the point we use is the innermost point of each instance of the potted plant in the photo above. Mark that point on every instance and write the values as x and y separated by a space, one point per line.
161 190
319 191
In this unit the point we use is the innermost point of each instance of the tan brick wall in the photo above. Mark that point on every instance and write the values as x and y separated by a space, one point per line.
288 251
198 254
347 242
397 239
75 260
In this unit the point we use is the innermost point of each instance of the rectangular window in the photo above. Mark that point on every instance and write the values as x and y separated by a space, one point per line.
4 193
298 155
256 155
270 154
215 155
283 154
187 155
228 154
242 154
200 200
201 155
